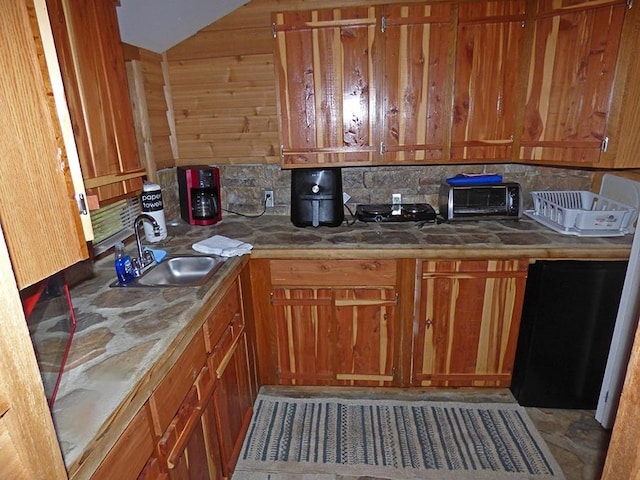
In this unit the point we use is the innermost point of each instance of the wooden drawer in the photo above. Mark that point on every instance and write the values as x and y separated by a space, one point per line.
333 273
223 313
131 452
166 399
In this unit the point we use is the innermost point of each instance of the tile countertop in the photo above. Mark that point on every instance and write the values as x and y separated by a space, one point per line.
123 334
277 237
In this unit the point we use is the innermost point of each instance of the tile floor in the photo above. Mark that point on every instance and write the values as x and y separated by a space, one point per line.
576 440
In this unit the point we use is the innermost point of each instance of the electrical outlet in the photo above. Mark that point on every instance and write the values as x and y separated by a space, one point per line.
268 199
396 204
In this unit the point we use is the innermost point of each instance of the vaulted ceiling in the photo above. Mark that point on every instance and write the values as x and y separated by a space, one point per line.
158 25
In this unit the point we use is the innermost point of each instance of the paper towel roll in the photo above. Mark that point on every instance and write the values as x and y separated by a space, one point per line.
151 203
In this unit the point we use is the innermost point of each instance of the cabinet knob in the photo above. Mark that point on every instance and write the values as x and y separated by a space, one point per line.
428 323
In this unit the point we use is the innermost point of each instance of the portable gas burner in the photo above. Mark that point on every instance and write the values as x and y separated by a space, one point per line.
405 212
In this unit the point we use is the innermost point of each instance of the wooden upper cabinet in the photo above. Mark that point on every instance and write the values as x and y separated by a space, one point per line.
487 81
571 80
39 215
323 64
89 49
485 97
417 79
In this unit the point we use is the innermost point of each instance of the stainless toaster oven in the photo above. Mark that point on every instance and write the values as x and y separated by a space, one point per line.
474 202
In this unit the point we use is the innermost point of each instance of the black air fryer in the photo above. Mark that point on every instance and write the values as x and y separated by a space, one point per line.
316 197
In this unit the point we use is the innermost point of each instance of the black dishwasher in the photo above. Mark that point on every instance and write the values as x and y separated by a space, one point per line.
569 312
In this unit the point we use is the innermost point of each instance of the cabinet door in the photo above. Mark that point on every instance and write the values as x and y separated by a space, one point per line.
233 398
189 448
417 82
212 443
487 60
325 92
131 452
364 352
39 215
92 63
304 335
338 336
468 320
183 444
571 77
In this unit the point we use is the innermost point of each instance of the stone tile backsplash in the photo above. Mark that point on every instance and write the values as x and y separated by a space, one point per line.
243 185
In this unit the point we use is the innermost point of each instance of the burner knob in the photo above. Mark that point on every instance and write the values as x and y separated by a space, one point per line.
378 218
315 188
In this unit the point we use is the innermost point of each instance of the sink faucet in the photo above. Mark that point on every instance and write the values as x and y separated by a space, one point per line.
145 257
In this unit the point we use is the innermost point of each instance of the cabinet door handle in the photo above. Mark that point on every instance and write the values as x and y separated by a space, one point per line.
227 357
182 432
428 323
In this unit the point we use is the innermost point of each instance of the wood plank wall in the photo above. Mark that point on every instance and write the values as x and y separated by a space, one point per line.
223 86
149 91
157 108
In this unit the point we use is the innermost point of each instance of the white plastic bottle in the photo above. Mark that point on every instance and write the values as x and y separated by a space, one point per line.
151 203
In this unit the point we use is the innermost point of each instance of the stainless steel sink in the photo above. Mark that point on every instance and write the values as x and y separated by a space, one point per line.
178 271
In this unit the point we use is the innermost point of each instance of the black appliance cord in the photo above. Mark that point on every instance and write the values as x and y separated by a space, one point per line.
264 209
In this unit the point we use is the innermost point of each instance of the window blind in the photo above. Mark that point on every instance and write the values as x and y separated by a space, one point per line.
113 223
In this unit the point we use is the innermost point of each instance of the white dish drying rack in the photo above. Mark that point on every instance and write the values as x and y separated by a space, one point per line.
581 213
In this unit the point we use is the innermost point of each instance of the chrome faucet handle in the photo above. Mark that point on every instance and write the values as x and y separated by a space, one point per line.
139 264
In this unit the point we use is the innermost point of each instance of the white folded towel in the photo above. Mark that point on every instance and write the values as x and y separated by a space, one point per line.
223 246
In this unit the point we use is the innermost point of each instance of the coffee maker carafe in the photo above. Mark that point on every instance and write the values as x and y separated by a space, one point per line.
199 189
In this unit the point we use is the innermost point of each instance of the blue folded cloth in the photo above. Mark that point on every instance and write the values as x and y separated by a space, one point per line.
158 255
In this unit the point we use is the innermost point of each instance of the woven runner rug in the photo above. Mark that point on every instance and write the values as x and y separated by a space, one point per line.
322 438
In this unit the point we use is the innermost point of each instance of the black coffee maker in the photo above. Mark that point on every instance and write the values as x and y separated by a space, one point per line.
199 190
316 197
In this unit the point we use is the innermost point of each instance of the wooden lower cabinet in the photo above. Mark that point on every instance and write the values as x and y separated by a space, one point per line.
394 323
327 322
194 423
467 322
